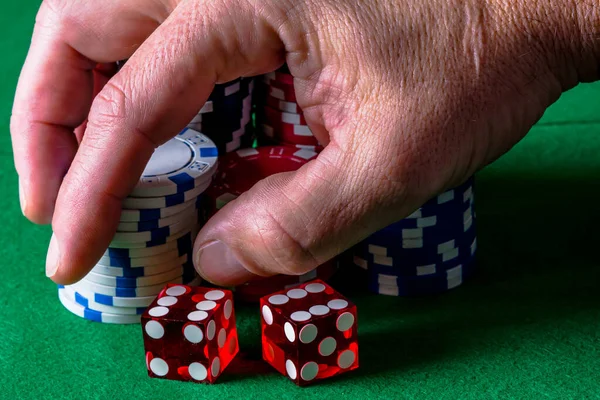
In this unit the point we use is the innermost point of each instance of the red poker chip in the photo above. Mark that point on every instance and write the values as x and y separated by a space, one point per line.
279 76
277 116
252 291
316 149
284 92
281 105
238 171
284 68
263 140
289 133
288 87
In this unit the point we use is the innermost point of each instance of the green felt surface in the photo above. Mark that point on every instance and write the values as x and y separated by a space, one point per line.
526 326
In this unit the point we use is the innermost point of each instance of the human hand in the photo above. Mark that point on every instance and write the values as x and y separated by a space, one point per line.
410 97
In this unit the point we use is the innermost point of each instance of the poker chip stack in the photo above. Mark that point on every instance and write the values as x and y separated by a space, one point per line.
279 118
238 172
226 117
154 239
430 251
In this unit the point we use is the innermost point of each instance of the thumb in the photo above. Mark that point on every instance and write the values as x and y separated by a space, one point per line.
292 222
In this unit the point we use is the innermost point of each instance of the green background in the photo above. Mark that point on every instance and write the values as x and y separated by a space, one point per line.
526 326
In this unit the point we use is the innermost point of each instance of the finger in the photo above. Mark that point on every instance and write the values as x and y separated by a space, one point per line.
102 74
151 99
53 97
290 223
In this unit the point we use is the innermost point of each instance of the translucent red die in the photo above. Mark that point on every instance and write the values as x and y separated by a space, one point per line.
309 332
190 333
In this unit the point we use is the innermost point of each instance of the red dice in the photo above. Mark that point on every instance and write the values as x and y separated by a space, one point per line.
309 332
189 333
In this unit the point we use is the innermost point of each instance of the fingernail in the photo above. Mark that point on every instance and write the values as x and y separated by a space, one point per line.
22 197
216 263
53 257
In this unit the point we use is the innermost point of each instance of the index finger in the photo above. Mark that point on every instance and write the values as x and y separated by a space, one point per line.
149 101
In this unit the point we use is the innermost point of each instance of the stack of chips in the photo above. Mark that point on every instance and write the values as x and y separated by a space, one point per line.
430 251
226 118
238 172
154 239
280 119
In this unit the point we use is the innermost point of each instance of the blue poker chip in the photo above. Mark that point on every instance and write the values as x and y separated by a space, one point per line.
87 285
183 163
120 64
225 124
442 219
116 304
134 282
101 308
111 301
419 286
416 266
215 124
94 315
428 247
450 199
228 118
386 265
232 108
155 242
240 86
430 251
146 226
166 264
142 203
159 233
181 243
151 215
151 261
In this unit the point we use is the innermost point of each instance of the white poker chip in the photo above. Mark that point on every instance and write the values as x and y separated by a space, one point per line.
92 305
182 242
122 292
136 272
145 226
156 213
143 262
159 233
142 203
115 301
135 282
142 245
186 161
96 316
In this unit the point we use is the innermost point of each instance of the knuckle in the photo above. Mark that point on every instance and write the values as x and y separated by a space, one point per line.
288 254
112 111
110 105
281 242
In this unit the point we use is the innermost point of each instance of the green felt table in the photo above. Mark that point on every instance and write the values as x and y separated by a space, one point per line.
526 326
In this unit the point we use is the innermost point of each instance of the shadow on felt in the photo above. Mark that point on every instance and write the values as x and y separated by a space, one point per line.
538 265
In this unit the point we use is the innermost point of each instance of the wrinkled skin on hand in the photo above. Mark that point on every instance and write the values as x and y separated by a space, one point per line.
411 97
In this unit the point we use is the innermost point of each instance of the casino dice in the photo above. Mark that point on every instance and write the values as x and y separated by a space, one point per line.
189 333
309 332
